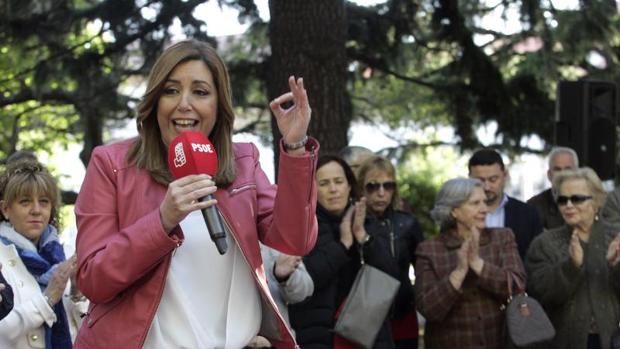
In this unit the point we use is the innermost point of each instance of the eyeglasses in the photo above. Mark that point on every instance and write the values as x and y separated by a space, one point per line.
574 199
374 186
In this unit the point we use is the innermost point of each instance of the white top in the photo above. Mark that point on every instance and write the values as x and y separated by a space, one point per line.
23 326
497 218
209 300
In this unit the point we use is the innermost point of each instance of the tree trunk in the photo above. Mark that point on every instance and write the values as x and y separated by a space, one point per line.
308 40
93 132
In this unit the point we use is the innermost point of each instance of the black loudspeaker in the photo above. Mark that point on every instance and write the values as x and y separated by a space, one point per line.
586 122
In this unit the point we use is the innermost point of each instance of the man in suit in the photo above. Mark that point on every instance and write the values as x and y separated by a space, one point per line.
504 211
560 159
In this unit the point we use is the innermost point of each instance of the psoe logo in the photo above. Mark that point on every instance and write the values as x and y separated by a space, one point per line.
202 148
179 155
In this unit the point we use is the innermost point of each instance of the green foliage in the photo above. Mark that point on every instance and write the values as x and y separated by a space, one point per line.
66 66
421 172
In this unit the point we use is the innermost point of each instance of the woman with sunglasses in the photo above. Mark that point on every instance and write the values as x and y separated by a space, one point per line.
573 270
398 233
334 261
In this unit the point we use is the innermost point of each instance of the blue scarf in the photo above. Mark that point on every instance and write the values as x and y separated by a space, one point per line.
41 264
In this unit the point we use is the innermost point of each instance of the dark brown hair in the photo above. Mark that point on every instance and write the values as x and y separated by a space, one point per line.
348 172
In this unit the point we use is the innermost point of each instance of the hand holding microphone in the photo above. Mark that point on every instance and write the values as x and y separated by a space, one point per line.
193 161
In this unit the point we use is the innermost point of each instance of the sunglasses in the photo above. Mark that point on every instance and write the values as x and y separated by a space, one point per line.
574 199
374 186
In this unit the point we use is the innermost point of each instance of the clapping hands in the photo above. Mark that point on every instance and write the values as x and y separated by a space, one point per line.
613 252
575 251
468 257
469 253
56 286
352 225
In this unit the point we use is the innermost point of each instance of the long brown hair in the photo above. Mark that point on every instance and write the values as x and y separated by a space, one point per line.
149 151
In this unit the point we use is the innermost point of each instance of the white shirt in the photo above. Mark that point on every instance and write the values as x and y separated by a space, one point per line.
209 300
497 218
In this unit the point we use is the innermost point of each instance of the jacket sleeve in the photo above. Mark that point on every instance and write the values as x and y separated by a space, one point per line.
553 276
288 221
111 259
298 287
27 316
434 295
494 276
325 262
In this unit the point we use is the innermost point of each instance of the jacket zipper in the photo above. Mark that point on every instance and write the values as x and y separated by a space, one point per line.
241 188
256 281
159 296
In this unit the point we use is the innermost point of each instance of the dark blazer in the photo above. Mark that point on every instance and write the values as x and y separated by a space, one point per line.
6 305
547 209
524 222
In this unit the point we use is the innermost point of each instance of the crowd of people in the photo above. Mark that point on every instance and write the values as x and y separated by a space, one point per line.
145 274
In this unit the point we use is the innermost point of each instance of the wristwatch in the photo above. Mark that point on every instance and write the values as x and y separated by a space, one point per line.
296 145
365 239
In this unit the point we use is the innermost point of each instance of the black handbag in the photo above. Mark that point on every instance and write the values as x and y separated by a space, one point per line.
367 305
526 320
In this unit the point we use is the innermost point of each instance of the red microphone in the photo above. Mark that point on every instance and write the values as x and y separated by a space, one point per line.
192 153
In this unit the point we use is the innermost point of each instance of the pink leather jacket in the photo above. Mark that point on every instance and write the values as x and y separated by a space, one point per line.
124 253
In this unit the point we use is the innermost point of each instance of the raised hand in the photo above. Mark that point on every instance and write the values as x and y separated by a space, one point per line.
346 233
457 276
56 286
359 232
473 256
182 198
285 266
574 250
463 256
613 252
293 121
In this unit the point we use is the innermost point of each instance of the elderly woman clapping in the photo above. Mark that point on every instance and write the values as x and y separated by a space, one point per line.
462 273
574 269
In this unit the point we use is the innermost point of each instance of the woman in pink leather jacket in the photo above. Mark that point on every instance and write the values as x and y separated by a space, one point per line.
145 260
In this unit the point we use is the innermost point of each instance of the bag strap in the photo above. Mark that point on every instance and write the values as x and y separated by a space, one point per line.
510 277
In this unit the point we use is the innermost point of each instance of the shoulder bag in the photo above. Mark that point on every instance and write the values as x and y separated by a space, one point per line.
526 320
367 306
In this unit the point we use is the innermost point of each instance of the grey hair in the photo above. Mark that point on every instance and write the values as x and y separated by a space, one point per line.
555 151
351 152
452 194
588 175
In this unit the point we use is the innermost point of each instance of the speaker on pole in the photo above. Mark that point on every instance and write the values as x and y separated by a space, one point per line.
586 122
